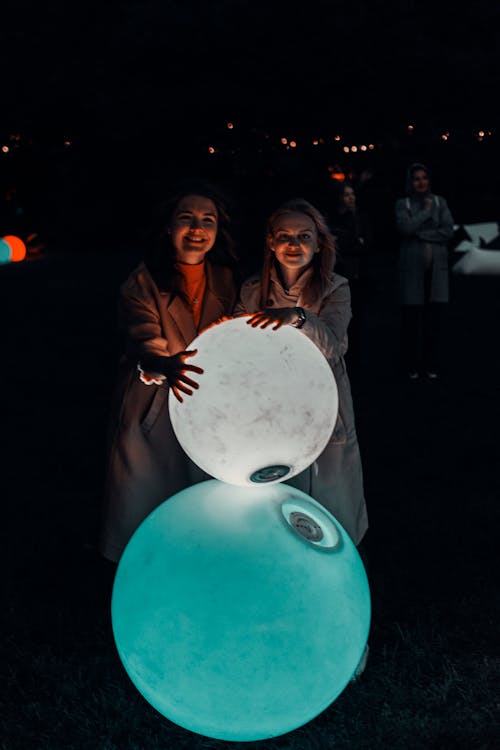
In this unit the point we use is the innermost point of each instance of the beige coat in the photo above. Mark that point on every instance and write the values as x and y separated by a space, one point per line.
335 479
146 464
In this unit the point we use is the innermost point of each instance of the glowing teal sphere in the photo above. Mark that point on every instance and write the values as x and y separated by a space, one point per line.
240 613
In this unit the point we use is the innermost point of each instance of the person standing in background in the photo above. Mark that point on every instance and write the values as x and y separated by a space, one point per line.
425 226
353 230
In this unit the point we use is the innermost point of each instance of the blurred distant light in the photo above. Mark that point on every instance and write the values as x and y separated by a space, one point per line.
316 142
211 150
336 173
4 252
363 148
12 249
230 126
293 144
371 146
445 136
284 141
354 149
346 149
410 128
5 149
337 138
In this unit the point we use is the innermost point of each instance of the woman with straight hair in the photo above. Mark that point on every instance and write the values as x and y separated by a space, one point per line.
298 286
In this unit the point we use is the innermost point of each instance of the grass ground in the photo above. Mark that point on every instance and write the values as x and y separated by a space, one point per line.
431 457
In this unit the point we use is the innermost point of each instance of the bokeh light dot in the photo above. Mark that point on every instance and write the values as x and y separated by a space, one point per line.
17 247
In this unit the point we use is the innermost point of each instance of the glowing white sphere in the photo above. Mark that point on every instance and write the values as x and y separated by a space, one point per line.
266 406
240 613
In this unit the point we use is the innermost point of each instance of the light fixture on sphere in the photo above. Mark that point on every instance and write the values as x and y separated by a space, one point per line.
266 406
240 613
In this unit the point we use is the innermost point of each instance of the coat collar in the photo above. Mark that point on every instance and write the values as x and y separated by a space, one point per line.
212 307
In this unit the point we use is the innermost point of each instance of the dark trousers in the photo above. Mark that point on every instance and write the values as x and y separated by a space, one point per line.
421 333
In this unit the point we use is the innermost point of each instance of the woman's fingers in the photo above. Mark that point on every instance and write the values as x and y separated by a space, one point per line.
192 368
186 366
177 394
184 379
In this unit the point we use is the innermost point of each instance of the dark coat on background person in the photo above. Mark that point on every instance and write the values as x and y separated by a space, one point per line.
354 239
425 234
335 479
146 462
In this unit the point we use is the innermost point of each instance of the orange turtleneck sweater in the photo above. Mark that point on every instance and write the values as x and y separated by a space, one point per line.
194 283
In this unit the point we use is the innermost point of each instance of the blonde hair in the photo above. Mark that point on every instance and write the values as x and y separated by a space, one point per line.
323 262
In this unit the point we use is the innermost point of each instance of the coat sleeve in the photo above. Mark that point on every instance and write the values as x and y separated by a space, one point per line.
409 223
442 232
328 328
247 302
139 321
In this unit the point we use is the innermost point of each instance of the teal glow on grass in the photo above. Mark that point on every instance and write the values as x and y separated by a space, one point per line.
240 613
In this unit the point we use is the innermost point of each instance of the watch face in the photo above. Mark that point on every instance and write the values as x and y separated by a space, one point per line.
302 317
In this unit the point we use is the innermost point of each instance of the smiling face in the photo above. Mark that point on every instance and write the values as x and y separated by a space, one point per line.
193 228
294 241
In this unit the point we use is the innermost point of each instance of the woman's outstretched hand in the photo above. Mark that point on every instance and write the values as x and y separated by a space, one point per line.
276 317
173 369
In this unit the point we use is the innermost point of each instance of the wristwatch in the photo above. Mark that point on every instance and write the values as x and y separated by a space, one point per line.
302 317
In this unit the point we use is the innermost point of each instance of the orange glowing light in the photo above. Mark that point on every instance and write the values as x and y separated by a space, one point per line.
230 126
346 149
284 141
336 173
293 144
337 138
17 247
211 150
5 149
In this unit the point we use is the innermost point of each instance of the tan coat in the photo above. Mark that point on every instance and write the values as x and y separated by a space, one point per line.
335 479
146 464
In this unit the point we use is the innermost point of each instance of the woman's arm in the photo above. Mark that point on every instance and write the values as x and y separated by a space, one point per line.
145 342
409 223
327 329
443 231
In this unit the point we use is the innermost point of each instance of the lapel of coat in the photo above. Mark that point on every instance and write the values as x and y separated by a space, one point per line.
182 320
212 308
213 305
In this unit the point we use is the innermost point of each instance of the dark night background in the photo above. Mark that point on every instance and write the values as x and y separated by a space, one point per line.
111 100
102 106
